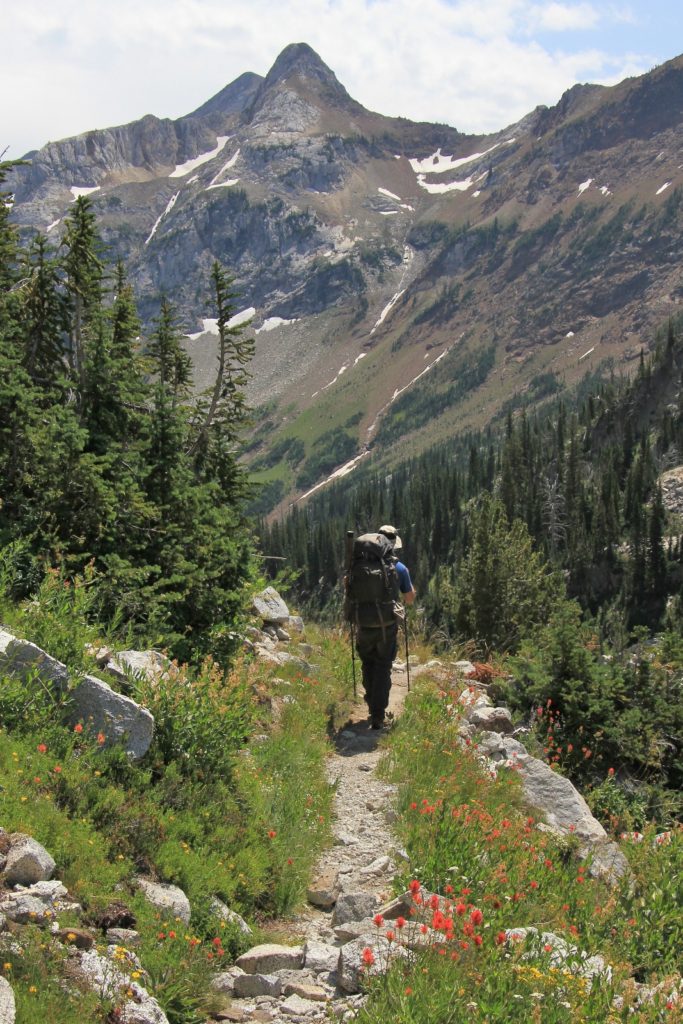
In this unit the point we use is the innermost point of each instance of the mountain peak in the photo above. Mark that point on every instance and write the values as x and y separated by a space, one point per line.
301 59
301 66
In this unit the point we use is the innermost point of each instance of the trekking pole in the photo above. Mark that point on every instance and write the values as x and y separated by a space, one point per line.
349 562
405 629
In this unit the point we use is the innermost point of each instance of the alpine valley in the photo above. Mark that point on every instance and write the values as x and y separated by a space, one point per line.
405 282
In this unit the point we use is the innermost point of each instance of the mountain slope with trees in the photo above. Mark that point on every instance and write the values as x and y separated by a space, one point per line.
108 458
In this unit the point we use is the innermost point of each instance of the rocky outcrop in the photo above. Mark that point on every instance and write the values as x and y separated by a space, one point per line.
27 861
89 701
270 607
168 899
106 976
564 809
8 1009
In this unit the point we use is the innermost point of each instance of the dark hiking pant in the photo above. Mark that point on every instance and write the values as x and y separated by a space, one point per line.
377 649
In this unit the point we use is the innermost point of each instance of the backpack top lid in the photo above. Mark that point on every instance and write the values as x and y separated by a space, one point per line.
372 547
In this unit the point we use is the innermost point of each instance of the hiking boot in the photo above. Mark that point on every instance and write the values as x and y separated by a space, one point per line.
377 721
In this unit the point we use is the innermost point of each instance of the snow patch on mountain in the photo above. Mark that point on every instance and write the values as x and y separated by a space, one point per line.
585 185
226 167
275 321
387 309
191 165
223 184
663 188
210 325
169 206
390 195
54 224
437 188
82 190
438 163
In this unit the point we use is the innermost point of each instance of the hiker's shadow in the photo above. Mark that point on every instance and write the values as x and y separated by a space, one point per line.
355 738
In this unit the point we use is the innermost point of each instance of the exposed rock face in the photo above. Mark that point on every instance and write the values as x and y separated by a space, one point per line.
92 703
118 718
27 861
369 233
563 807
169 899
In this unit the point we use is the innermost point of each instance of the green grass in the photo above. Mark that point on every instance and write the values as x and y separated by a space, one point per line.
471 839
209 809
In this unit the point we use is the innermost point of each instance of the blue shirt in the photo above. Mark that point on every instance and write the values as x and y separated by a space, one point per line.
404 580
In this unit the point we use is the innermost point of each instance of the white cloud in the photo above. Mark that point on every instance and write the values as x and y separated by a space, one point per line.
475 64
561 17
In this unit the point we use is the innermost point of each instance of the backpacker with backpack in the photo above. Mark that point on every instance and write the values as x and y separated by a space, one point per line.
372 587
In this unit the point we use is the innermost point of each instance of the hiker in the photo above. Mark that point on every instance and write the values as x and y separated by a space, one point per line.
375 583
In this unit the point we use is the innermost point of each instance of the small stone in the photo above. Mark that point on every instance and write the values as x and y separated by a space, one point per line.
295 1006
225 981
378 867
123 936
282 634
311 992
354 906
492 719
77 937
320 957
324 891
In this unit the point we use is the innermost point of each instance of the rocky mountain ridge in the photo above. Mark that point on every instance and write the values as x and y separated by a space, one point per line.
382 260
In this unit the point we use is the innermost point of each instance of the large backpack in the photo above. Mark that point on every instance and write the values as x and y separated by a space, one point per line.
372 589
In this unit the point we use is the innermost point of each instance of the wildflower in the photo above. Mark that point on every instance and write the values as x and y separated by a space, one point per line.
57 769
408 991
610 771
391 935
78 727
7 967
378 920
500 938
478 940
171 935
272 833
37 779
414 886
533 885
368 957
476 917
460 909
32 988
401 922
217 941
41 748
101 738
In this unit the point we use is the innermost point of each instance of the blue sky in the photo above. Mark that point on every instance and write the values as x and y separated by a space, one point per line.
70 66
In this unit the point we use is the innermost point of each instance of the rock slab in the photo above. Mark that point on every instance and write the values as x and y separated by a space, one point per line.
271 957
